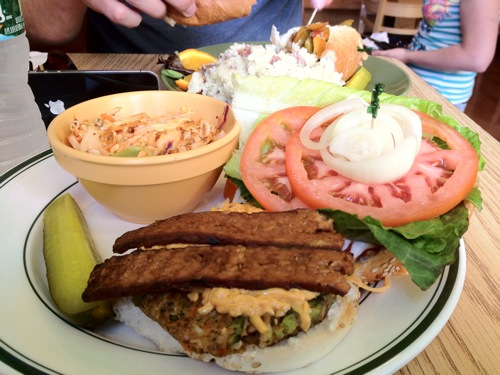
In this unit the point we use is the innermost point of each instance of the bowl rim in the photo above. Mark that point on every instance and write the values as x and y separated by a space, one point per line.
58 145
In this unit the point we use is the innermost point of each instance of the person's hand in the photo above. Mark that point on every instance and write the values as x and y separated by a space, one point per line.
396 53
118 12
320 4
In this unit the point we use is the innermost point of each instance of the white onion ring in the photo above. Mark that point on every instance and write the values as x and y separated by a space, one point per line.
371 152
325 114
353 137
379 170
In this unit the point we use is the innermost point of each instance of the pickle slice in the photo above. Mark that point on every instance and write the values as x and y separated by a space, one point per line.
70 257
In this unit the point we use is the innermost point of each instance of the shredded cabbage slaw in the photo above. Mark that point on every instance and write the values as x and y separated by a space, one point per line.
142 135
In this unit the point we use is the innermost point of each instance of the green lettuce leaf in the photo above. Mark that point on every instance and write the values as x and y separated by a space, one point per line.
424 247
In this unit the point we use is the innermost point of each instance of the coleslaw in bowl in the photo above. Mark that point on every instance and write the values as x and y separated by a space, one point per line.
145 189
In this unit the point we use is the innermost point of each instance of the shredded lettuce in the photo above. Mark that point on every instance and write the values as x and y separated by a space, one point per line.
425 247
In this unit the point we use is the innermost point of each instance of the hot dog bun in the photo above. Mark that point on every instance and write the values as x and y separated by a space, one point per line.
209 12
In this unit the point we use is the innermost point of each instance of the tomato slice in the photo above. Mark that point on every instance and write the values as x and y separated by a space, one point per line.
438 181
262 162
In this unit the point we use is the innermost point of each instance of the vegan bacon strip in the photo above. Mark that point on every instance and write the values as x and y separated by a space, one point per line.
234 266
300 227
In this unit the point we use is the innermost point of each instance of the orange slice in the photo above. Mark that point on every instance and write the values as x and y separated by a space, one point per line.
194 59
183 83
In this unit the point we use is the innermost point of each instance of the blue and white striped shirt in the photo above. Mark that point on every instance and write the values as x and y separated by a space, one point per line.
440 28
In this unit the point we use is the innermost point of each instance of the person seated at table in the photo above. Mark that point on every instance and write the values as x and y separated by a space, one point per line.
135 26
455 41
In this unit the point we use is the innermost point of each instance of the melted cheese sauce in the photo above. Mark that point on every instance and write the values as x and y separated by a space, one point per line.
256 303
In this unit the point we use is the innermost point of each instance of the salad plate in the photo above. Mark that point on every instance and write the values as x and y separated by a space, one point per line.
395 79
391 328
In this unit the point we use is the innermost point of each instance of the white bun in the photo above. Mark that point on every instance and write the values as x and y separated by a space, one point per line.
293 353
299 351
129 314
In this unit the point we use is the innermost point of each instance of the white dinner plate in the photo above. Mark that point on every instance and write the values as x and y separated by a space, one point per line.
391 328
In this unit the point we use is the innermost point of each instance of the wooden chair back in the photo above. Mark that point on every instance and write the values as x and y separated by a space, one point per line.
407 15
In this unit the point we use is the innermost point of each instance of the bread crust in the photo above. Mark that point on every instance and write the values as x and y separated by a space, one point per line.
344 42
209 12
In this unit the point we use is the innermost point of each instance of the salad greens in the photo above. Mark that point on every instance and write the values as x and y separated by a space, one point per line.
424 247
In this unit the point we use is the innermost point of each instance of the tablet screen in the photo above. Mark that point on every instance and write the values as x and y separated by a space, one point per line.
55 91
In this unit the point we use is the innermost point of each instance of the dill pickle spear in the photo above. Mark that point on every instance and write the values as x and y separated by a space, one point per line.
70 257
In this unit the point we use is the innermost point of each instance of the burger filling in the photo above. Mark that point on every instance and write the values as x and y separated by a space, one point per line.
230 321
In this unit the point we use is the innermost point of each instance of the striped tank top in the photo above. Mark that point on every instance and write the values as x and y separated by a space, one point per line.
440 28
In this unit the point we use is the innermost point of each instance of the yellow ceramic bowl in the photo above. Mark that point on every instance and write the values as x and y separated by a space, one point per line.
146 189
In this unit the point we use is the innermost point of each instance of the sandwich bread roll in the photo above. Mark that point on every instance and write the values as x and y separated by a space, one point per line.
340 43
209 12
344 42
293 353
179 297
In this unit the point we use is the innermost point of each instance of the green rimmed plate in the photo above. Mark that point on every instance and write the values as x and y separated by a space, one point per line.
36 339
396 80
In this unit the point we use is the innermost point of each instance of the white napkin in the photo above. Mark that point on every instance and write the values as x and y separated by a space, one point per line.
380 37
38 58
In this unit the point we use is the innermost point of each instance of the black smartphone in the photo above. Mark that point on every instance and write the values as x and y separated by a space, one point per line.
54 91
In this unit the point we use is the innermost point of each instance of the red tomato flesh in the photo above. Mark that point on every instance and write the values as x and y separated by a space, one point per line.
283 174
437 182
262 162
